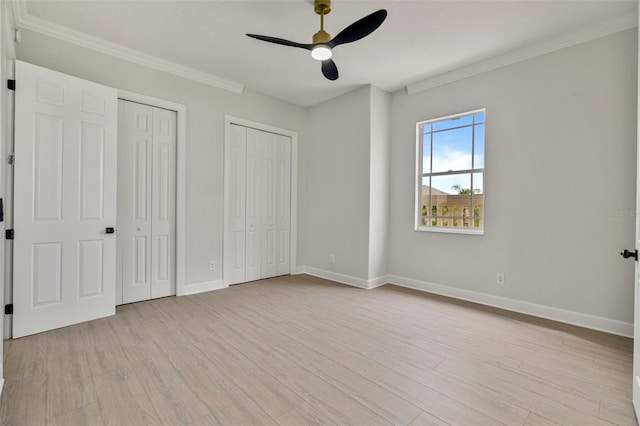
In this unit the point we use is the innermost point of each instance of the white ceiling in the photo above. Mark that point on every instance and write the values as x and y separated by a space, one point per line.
419 39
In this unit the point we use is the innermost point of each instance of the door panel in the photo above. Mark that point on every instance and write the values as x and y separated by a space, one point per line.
235 201
134 201
65 197
163 203
253 213
269 204
283 173
90 268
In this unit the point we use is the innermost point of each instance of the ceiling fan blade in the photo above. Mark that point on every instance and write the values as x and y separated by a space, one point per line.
329 69
281 41
360 28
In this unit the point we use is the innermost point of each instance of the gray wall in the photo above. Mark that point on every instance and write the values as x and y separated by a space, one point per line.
347 209
337 187
206 107
560 181
379 169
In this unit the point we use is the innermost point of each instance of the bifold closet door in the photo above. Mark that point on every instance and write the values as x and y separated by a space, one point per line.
258 176
146 202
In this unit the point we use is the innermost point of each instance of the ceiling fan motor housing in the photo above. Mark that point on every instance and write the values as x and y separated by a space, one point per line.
321 37
322 7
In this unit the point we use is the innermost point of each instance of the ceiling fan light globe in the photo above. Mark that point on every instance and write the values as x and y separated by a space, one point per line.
321 52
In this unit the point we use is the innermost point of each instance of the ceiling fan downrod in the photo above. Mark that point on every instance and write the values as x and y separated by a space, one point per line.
322 7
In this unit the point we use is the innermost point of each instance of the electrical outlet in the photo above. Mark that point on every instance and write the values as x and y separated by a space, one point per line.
212 265
500 278
332 258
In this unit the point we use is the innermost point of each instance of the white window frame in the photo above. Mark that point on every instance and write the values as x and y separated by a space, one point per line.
420 175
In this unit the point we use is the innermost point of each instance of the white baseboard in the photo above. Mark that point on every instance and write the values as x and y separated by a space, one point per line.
344 279
205 286
297 270
569 317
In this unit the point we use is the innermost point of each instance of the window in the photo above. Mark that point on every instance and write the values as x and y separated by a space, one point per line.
450 175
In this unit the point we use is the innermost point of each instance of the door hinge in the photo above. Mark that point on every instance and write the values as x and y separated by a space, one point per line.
11 84
8 309
12 159
1 210
8 234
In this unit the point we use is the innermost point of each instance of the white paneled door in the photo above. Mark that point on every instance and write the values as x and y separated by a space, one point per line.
258 204
65 200
146 202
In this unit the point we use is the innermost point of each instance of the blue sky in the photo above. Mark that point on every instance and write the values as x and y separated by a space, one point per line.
452 150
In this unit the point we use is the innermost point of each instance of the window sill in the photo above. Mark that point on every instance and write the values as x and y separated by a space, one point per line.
451 230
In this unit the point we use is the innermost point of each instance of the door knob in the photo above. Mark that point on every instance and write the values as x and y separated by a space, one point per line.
627 254
110 230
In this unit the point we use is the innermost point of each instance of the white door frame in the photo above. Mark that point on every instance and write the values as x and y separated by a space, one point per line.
228 121
635 384
181 168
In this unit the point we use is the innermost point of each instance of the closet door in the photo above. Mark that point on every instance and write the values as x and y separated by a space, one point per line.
257 204
283 209
134 201
235 202
254 219
269 204
163 203
146 202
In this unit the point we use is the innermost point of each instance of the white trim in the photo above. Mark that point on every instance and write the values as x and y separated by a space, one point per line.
520 55
10 28
345 279
181 170
569 317
297 270
203 287
32 23
293 244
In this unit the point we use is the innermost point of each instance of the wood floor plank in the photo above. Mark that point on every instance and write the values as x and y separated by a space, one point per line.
123 400
497 408
303 414
83 416
228 404
103 359
24 401
426 419
534 419
527 393
26 356
619 412
434 403
329 400
172 397
366 392
263 388
299 350
69 383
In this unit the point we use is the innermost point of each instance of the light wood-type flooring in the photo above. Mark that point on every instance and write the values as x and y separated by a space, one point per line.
299 350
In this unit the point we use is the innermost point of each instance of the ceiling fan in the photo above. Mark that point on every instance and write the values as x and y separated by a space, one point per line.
322 45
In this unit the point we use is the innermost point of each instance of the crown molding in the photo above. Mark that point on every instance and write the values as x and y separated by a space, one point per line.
25 21
520 55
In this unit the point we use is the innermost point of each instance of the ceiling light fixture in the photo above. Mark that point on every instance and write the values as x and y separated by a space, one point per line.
321 52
